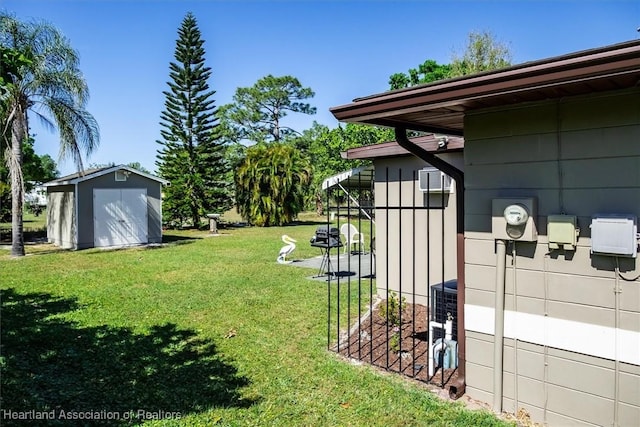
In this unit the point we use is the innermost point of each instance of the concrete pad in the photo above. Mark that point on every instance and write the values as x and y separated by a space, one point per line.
341 266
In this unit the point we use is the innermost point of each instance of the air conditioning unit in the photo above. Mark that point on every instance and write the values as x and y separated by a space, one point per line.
443 305
434 180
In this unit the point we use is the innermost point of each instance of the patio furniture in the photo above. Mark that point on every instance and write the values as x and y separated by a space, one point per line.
352 237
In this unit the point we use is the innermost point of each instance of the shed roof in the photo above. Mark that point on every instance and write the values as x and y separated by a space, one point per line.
88 174
440 106
357 178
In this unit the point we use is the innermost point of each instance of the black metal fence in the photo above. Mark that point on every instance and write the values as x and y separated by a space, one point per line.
382 298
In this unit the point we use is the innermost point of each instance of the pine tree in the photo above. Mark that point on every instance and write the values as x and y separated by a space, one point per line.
192 153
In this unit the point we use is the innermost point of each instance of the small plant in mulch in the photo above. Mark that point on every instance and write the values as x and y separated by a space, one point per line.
394 341
390 312
392 309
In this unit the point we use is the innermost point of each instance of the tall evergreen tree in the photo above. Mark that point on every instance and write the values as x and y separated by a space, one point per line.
192 153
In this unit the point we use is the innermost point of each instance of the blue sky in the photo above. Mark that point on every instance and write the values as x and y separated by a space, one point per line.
341 49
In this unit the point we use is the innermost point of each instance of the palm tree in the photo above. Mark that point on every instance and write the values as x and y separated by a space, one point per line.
51 87
271 183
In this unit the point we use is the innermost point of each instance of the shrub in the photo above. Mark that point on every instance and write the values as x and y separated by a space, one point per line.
392 309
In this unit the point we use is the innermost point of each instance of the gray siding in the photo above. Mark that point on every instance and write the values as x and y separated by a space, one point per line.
568 388
396 230
579 156
85 205
60 216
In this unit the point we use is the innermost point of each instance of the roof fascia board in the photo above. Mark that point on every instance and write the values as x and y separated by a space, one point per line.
105 172
377 115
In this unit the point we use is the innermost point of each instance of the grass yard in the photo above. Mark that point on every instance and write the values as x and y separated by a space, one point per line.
210 327
33 226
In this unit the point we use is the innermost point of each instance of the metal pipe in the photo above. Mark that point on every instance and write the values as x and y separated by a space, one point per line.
457 388
498 335
616 375
514 253
355 201
447 326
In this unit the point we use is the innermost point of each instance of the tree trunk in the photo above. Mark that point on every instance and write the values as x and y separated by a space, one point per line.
17 187
195 218
319 205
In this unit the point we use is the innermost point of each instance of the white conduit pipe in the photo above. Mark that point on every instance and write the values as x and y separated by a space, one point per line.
498 337
448 329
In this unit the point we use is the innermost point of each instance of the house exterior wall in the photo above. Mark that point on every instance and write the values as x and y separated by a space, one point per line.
397 229
577 357
61 216
85 205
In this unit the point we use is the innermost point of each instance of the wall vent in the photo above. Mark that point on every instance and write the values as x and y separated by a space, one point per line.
122 175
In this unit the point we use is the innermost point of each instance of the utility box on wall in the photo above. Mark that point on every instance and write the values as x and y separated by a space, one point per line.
514 219
562 232
614 235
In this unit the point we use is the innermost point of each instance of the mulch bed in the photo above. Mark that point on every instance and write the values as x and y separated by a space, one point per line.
371 342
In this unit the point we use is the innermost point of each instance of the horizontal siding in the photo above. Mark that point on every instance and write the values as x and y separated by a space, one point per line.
480 377
578 337
481 349
629 414
591 112
480 277
571 380
478 297
525 175
539 147
623 135
579 156
606 173
580 406
399 267
584 203
569 277
543 147
610 173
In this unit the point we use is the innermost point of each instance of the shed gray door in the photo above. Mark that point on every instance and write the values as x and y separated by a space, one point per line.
119 216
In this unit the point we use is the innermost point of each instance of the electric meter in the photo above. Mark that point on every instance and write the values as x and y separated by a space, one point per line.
516 214
514 218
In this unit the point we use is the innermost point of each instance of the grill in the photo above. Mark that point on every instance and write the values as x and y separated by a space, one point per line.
326 237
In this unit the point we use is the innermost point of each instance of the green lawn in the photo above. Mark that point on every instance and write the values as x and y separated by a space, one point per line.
31 224
210 327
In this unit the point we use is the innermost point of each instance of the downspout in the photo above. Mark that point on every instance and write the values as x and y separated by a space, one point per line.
498 337
457 388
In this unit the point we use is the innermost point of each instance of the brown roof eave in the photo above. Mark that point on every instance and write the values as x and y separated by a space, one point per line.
588 65
393 149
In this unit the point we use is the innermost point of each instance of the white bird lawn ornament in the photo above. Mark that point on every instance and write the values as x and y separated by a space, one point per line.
290 245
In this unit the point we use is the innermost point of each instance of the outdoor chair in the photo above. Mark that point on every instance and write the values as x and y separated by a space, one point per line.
352 237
